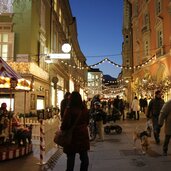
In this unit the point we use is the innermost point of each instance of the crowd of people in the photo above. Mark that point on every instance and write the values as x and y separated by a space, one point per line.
155 110
73 108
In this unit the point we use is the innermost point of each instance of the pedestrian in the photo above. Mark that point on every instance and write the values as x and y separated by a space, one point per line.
116 102
96 98
64 103
100 119
122 108
145 105
109 105
80 138
141 104
165 116
135 108
153 112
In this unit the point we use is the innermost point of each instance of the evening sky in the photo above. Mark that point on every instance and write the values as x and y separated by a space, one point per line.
99 28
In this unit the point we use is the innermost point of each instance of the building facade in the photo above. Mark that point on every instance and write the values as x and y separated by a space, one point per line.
151 46
94 86
31 30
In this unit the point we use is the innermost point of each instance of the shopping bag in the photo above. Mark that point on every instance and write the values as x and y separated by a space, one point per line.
63 137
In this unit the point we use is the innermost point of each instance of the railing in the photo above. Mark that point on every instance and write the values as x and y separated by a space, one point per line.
43 141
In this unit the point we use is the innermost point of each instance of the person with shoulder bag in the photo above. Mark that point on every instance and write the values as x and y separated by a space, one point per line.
76 113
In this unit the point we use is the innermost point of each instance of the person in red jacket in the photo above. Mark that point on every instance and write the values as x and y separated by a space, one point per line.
80 139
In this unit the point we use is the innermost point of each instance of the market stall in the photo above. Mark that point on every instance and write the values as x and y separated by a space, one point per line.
10 146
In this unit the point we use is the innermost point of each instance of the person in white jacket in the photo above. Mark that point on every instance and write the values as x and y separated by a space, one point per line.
135 108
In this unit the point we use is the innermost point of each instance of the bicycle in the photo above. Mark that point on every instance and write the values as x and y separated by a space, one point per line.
92 129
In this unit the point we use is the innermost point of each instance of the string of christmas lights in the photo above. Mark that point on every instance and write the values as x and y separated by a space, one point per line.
111 62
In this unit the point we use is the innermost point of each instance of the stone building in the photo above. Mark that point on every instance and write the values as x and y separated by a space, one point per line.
31 30
150 22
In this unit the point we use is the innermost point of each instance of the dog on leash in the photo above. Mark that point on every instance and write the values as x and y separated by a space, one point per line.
143 136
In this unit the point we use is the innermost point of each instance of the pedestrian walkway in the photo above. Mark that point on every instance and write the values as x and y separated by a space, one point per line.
116 153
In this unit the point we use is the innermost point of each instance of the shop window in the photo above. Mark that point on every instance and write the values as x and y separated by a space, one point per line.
40 103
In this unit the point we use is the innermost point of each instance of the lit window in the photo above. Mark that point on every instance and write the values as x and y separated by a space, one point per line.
55 5
158 7
160 38
97 76
42 15
4 46
60 15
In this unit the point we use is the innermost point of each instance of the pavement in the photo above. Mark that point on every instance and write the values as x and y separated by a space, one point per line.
116 152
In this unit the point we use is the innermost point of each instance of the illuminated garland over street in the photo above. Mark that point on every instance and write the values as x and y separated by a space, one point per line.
111 62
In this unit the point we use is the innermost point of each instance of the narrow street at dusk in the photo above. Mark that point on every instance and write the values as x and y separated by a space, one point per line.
76 65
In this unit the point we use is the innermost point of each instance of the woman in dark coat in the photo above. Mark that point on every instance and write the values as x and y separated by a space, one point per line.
80 140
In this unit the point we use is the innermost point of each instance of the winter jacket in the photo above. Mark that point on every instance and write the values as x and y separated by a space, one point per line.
154 107
64 104
135 105
80 139
165 116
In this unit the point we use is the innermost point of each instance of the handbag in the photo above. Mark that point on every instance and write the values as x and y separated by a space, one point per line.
64 137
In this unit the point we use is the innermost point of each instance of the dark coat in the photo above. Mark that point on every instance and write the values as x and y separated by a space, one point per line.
64 104
165 117
80 139
154 107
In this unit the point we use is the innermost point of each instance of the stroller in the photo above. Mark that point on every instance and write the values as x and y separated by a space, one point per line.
110 120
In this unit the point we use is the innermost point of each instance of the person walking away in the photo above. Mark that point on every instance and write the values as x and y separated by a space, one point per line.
64 103
165 117
80 139
141 104
116 102
100 117
122 108
135 108
145 105
153 111
109 106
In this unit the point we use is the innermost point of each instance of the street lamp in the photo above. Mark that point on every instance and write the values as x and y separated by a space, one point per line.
66 48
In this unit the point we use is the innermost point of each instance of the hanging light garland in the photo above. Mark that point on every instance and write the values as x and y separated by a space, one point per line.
111 62
124 67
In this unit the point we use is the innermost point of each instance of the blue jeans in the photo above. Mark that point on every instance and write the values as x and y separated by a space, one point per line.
71 161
